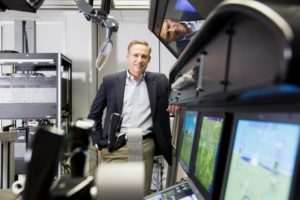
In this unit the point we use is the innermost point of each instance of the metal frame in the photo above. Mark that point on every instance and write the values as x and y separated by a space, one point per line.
22 63
38 62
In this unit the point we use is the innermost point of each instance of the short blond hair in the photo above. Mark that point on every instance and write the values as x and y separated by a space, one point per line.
142 42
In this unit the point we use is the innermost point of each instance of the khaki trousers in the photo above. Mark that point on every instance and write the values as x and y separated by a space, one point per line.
121 155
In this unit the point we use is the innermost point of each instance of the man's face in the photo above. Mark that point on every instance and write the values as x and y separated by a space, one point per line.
172 31
138 59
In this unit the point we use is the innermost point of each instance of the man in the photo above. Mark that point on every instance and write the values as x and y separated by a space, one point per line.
179 31
178 34
142 99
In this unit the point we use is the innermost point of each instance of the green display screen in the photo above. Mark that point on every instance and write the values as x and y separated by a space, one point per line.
206 154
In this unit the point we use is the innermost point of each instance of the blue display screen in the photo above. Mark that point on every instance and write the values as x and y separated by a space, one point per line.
188 133
184 5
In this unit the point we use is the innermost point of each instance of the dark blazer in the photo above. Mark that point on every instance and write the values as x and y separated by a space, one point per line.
110 96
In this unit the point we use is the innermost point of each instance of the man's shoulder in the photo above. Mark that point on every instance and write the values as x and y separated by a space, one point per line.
159 78
157 74
114 75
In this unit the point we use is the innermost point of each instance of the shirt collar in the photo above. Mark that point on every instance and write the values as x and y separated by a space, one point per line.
131 78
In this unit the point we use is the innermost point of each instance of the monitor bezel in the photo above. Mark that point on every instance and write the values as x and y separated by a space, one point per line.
188 181
221 154
187 169
156 15
289 118
152 14
177 127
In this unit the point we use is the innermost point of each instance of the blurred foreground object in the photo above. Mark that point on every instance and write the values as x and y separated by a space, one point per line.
116 181
21 5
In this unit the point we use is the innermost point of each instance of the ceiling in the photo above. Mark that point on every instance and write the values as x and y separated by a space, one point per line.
134 11
116 4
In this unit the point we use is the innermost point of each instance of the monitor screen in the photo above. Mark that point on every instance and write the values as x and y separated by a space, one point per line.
205 7
187 138
206 153
184 190
180 24
262 161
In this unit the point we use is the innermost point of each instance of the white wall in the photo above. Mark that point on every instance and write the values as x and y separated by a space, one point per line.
7 35
70 33
167 59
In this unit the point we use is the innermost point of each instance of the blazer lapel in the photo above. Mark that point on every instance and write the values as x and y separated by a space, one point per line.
119 90
152 91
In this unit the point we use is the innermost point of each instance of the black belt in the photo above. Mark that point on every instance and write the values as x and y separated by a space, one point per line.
149 135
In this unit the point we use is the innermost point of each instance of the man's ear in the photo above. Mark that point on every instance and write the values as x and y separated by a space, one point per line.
149 58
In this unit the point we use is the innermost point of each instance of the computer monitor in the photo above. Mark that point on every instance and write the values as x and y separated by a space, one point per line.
175 23
206 154
263 157
187 139
184 190
205 7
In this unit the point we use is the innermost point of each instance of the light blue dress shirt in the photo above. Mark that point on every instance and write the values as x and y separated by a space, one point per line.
136 106
194 26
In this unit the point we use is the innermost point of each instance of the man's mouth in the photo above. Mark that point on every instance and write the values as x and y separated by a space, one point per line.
139 65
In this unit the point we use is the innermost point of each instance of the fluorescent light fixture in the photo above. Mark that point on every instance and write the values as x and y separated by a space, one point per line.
116 4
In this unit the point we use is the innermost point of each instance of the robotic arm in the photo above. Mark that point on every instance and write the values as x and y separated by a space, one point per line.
100 17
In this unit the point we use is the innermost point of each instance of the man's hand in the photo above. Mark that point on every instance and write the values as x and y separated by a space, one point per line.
173 109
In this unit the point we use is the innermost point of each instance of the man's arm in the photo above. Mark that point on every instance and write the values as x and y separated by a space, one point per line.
96 113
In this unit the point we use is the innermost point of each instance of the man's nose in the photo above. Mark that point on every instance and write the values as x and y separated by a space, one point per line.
139 59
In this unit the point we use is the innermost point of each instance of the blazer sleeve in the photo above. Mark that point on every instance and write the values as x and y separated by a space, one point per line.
96 113
162 120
